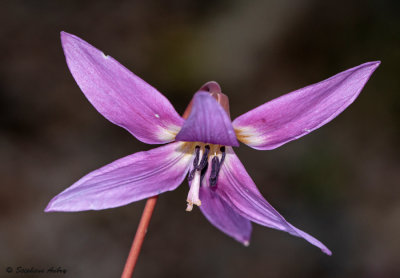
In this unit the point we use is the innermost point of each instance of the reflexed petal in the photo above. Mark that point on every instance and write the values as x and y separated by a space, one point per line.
119 95
238 190
298 113
223 217
129 179
208 123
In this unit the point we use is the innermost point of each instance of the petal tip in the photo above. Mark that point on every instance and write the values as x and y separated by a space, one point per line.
52 205
211 87
64 35
55 205
373 64
327 251
49 207
71 39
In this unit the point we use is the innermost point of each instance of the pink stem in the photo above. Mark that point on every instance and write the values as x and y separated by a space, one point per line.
139 237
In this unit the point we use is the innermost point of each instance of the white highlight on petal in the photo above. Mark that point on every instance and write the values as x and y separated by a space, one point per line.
157 116
105 56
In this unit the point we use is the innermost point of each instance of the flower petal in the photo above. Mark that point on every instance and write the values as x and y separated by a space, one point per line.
296 114
129 179
208 123
119 95
238 190
224 217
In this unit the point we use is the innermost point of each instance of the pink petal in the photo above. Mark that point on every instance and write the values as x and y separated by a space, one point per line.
208 123
119 95
223 216
238 190
296 114
129 179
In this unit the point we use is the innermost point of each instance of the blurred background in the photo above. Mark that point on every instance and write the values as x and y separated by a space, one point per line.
340 183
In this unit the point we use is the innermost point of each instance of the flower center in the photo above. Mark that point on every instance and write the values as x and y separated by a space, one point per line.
199 169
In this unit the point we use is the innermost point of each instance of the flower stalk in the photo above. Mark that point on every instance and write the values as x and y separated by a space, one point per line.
139 237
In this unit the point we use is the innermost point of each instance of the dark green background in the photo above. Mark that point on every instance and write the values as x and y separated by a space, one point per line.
340 184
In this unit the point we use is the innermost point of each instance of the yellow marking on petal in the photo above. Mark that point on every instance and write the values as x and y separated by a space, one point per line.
185 148
250 136
169 133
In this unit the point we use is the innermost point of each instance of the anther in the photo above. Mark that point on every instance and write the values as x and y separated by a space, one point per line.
216 167
191 175
203 173
197 156
204 159
195 162
214 171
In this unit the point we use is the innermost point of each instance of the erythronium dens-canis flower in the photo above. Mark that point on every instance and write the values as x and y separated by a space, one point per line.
198 144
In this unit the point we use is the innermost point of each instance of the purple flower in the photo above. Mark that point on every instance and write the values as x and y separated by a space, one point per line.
200 146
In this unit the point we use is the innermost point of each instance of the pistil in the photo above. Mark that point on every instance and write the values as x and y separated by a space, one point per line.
193 196
195 176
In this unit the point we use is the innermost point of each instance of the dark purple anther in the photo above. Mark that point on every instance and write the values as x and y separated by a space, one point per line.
191 175
203 173
204 159
197 156
214 171
195 162
216 167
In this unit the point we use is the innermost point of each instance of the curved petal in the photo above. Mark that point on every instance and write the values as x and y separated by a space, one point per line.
208 123
129 179
296 114
224 217
238 190
119 95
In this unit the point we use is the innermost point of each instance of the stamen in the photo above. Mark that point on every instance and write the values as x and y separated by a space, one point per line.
191 175
203 173
197 156
195 162
214 171
216 167
204 159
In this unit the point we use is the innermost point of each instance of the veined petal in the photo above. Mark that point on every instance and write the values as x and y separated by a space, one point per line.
238 190
208 123
119 95
129 179
224 217
296 114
